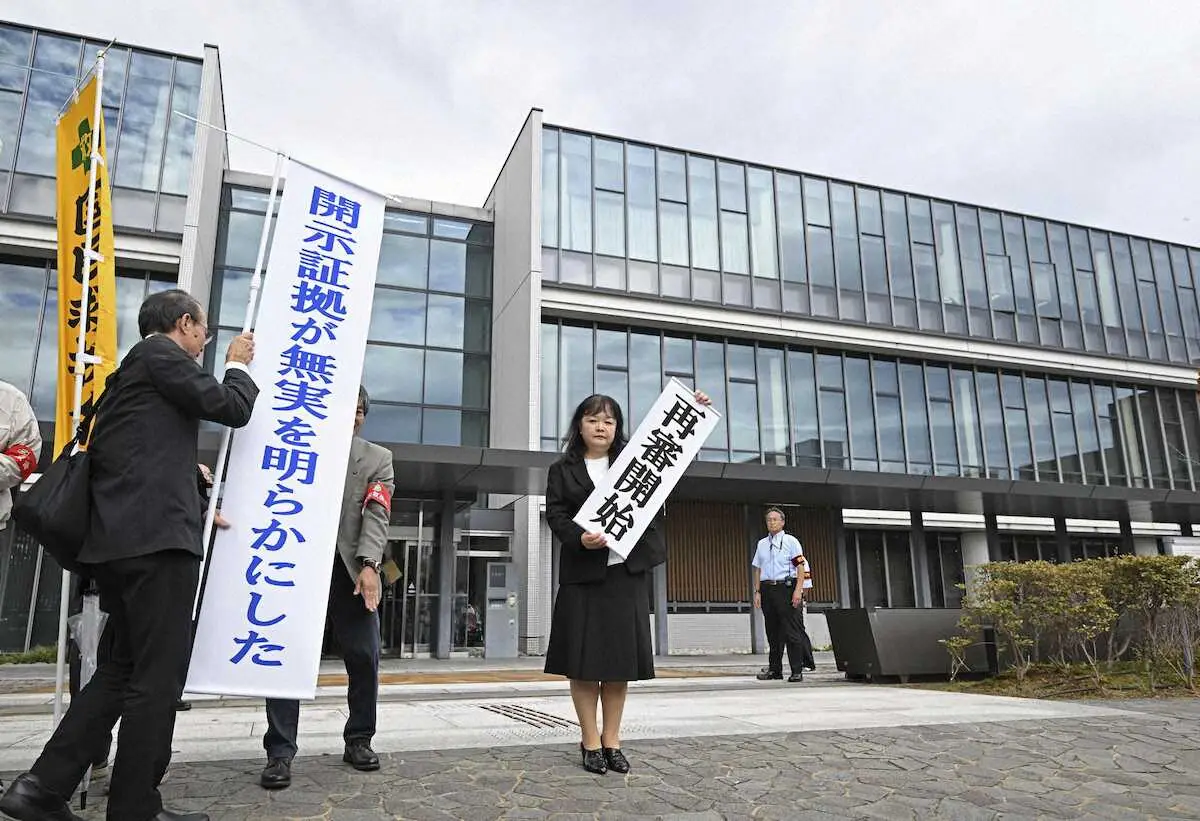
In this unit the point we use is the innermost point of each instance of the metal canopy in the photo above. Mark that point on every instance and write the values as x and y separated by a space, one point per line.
436 471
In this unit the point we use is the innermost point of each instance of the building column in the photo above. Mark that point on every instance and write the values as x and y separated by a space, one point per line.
1145 546
758 632
1062 539
1128 544
842 553
975 554
662 643
444 536
920 559
991 533
535 552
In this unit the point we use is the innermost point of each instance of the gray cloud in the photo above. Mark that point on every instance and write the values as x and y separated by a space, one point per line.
1083 112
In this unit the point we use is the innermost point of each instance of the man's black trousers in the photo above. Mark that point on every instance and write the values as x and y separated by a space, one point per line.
149 604
785 626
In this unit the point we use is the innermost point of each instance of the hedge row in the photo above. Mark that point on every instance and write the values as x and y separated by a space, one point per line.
1097 612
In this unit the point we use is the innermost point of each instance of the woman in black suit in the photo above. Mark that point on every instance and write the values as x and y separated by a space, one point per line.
600 631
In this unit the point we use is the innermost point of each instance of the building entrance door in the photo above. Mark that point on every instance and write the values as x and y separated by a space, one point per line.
473 553
409 606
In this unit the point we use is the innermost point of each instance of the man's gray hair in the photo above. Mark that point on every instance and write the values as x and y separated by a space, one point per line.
162 310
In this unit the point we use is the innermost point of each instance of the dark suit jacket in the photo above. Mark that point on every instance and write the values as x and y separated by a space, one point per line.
567 488
143 451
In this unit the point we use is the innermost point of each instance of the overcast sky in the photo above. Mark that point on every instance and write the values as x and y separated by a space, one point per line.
1083 111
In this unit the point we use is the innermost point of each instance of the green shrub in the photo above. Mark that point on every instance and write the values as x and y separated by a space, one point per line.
47 654
1092 612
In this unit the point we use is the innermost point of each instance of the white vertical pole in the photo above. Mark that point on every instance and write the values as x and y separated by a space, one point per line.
247 323
81 361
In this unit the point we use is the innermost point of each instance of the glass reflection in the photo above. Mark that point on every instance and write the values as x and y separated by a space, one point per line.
398 316
394 374
702 185
640 198
403 261
21 299
447 266
576 182
443 378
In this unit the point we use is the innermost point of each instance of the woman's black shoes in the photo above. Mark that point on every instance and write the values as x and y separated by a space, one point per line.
616 760
593 760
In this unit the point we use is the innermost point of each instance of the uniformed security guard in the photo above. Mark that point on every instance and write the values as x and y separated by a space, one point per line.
778 592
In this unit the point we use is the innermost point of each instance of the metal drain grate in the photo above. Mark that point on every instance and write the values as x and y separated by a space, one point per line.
526 715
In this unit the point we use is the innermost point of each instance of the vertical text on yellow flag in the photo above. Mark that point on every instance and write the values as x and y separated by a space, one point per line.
80 135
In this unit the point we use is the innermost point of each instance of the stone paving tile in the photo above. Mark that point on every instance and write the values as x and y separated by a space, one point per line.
1146 765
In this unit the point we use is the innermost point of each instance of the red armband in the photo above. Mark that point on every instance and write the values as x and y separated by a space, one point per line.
378 492
797 561
25 458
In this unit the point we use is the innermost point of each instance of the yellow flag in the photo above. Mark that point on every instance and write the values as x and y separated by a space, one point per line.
78 131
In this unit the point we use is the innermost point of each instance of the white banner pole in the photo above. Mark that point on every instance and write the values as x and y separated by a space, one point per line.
210 516
81 361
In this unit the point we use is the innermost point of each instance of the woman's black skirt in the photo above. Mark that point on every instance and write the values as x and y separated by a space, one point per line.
601 631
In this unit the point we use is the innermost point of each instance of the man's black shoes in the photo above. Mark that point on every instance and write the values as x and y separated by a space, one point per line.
28 799
277 774
360 756
769 675
794 677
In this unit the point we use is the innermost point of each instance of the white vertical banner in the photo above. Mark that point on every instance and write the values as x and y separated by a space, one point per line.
647 470
262 618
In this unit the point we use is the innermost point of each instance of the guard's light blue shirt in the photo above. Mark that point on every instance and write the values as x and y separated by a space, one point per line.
774 556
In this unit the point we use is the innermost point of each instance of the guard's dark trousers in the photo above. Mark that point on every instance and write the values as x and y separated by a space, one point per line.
785 625
356 631
149 604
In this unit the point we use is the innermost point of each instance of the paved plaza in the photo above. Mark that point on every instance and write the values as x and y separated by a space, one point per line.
1136 763
711 746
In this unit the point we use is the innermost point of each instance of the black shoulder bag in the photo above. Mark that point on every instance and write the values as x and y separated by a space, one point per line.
57 510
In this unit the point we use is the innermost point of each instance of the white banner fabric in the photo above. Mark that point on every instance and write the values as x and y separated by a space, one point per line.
263 614
647 470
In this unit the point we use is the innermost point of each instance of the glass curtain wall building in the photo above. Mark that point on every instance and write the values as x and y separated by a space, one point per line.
671 225
825 409
149 141
847 328
924 385
427 365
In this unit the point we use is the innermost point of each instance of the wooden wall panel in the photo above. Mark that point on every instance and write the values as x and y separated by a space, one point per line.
814 528
709 550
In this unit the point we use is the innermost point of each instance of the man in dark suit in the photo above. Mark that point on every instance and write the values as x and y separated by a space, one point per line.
144 551
354 591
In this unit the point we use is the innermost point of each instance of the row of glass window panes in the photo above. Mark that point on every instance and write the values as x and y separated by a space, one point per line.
404 424
398 316
149 147
989 262
393 373
131 208
880 569
827 410
1036 324
404 261
29 332
649 279
254 200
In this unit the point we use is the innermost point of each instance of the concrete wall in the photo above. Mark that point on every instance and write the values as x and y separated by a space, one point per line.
1144 546
210 158
718 633
515 201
